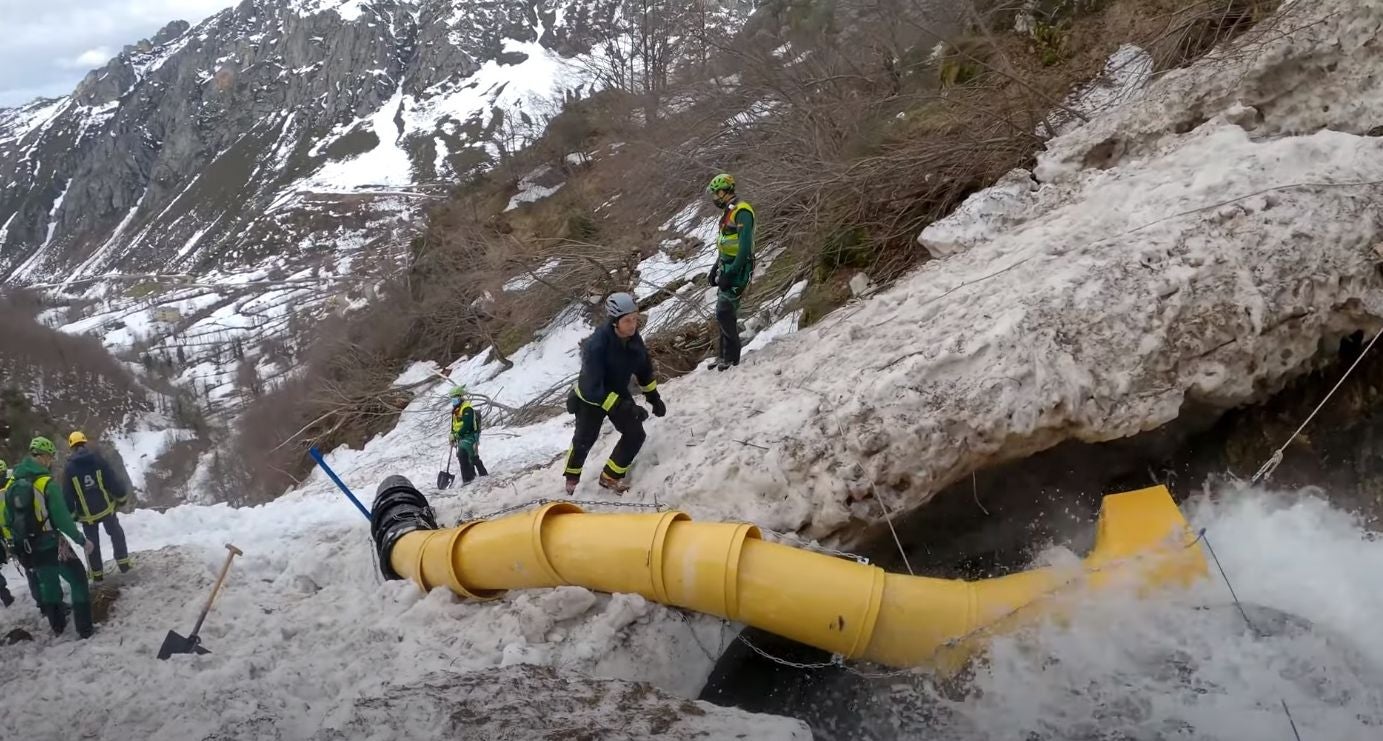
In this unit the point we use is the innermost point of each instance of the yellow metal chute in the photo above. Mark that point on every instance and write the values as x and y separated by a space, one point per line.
725 569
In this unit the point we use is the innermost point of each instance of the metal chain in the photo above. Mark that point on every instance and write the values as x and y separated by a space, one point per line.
792 538
543 501
807 545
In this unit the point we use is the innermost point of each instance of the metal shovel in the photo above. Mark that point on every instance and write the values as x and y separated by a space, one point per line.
192 644
444 478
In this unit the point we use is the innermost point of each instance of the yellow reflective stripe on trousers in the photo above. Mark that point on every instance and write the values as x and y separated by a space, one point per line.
569 469
617 468
650 388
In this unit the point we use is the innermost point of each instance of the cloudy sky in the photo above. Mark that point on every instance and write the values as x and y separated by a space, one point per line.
47 46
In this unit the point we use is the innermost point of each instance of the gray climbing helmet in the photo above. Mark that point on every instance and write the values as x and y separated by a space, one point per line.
620 304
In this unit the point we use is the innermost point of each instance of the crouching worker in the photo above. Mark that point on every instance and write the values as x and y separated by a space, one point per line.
93 492
38 518
612 355
465 435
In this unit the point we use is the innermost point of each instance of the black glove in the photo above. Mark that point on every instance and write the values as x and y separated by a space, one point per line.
640 414
622 411
724 282
713 278
659 408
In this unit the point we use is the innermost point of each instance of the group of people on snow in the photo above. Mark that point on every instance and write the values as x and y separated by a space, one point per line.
615 353
38 522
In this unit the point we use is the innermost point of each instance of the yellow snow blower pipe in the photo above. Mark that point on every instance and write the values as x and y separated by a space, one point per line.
725 569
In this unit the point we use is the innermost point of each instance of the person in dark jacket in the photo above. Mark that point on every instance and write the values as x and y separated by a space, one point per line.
94 491
610 357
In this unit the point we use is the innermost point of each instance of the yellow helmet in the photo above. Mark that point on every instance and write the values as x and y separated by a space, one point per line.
75 439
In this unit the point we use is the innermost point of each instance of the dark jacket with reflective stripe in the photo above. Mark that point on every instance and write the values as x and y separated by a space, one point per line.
607 364
92 487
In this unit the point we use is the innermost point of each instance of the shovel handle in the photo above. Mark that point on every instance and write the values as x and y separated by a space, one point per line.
220 578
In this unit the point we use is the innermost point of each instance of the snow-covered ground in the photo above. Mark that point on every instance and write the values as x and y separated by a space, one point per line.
1217 257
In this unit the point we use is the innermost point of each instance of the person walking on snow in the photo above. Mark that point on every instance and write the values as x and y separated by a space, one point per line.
38 518
612 355
733 267
93 492
465 435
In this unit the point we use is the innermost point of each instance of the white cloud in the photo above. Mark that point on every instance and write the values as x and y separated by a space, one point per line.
90 58
49 45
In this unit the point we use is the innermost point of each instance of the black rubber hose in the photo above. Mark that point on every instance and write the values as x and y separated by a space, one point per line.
399 509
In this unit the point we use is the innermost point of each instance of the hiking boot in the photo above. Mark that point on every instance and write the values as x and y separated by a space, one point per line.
618 486
715 364
57 617
81 619
571 486
125 564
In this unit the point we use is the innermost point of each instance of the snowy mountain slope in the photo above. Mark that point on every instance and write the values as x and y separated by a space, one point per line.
1209 268
207 146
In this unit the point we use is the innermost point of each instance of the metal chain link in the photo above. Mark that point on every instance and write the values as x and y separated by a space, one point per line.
792 538
542 501
800 542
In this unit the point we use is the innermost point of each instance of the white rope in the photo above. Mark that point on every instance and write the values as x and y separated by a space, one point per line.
1266 470
888 517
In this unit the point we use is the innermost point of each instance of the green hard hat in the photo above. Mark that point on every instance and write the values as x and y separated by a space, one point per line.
42 446
723 181
457 392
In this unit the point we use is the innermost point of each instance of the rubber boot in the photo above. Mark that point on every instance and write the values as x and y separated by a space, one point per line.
81 619
57 616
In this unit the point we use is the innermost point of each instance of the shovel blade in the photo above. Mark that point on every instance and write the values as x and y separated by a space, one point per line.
444 479
176 644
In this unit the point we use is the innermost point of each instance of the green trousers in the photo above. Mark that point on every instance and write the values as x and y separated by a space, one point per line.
48 570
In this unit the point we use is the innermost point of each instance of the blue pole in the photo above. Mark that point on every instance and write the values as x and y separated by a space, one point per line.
317 456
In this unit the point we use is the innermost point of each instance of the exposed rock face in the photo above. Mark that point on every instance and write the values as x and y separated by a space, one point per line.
199 147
